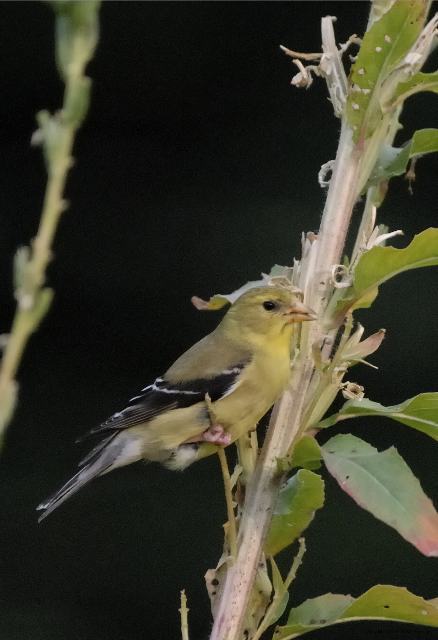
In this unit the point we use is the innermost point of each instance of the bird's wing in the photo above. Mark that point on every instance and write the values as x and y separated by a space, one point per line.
163 395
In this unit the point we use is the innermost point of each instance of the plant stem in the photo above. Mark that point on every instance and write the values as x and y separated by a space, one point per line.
261 496
57 135
285 423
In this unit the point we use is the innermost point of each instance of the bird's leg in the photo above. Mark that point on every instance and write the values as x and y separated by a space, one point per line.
215 433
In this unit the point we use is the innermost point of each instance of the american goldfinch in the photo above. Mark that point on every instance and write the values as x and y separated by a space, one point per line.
214 393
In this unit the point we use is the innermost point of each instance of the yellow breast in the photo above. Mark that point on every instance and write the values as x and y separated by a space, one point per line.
263 381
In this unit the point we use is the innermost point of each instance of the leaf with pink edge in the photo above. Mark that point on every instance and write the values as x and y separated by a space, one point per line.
382 483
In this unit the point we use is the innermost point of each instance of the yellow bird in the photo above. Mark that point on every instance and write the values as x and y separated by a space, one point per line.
235 374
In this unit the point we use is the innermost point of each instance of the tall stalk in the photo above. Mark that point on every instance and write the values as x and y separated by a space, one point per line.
312 389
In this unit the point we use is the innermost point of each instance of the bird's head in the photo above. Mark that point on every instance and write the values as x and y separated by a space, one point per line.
267 313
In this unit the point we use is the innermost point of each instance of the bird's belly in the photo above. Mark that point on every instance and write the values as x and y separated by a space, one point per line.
168 431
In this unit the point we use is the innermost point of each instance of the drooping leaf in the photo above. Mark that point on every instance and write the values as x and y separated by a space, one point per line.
379 264
383 602
394 162
383 47
220 300
383 484
296 504
420 412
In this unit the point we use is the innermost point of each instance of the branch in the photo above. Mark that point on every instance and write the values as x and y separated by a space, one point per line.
76 39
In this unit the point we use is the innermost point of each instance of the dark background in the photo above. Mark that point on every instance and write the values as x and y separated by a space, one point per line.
195 171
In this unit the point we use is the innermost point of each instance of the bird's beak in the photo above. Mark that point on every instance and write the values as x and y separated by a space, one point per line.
299 313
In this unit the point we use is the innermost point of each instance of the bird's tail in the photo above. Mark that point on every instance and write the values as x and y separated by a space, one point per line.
114 451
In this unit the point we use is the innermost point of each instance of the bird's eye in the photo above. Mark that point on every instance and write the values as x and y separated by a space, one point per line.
269 305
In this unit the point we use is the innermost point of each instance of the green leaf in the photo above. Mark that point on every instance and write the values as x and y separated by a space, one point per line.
379 264
221 299
420 412
418 82
279 592
306 454
393 162
383 484
383 47
392 603
296 504
383 602
314 614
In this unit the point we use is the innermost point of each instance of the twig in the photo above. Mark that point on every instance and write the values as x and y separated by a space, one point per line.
75 43
184 611
232 536
296 564
303 56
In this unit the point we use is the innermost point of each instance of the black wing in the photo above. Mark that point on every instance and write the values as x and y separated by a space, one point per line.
162 396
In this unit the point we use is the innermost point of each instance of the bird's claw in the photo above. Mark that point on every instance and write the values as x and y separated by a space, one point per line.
215 434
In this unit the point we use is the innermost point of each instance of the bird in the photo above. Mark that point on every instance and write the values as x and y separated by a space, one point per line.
214 393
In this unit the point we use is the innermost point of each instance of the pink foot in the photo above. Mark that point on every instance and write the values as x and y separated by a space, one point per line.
215 434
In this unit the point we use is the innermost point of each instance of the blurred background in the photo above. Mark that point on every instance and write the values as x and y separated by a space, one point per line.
195 171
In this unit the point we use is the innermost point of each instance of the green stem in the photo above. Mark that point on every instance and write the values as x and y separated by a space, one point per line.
57 133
